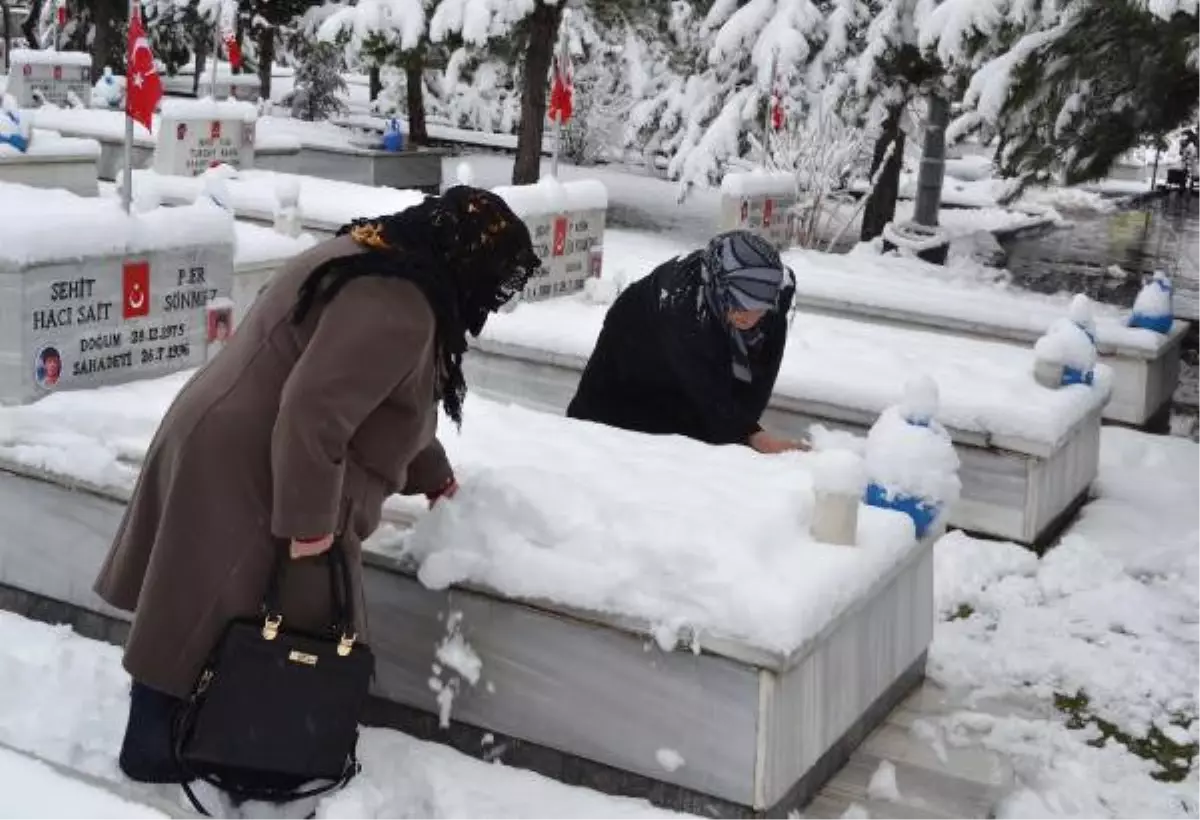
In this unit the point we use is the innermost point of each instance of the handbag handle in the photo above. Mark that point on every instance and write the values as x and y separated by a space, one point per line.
341 596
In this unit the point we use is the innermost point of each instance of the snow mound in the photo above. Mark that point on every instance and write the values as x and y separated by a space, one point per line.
715 538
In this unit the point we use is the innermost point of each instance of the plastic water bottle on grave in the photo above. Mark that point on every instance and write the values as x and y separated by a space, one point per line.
1154 309
393 137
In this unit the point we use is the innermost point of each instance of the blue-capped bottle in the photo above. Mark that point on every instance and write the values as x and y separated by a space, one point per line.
1153 308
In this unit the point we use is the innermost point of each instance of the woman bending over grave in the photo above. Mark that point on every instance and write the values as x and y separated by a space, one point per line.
694 348
322 405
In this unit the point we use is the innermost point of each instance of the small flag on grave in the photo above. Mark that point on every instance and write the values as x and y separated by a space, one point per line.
562 90
144 87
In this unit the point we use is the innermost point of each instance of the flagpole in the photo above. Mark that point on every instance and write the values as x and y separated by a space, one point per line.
216 55
770 112
561 67
127 171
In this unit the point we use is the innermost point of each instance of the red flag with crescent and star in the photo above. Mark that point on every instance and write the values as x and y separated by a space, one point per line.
227 23
561 91
143 87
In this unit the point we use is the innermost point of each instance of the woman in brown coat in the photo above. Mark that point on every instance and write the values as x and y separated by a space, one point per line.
321 406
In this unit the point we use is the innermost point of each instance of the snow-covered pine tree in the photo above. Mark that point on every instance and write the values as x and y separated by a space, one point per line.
475 89
379 33
596 38
533 24
1069 86
752 49
319 82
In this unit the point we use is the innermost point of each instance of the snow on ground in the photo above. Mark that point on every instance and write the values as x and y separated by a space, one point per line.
986 387
533 518
1096 640
31 788
66 699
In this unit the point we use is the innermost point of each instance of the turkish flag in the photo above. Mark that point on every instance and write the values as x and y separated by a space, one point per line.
768 209
560 237
561 91
234 50
135 290
143 85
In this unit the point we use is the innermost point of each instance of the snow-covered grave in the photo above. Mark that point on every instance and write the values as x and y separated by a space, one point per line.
332 152
965 299
259 252
108 128
50 160
49 76
195 135
321 205
90 295
372 125
243 87
525 608
1028 453
760 201
566 221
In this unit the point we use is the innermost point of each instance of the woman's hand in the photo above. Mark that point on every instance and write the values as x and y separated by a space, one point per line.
764 442
307 548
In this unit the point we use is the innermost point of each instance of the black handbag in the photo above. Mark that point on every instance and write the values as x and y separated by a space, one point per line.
276 709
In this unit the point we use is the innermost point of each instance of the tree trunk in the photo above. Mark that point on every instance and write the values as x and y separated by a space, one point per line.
933 163
200 46
6 20
414 80
543 32
264 41
104 43
29 27
881 207
374 82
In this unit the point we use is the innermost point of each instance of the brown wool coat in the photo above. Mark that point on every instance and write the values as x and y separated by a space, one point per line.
292 431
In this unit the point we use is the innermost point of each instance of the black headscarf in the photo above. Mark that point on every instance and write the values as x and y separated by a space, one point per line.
467 252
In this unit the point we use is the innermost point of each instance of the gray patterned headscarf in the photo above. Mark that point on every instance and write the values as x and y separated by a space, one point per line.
742 271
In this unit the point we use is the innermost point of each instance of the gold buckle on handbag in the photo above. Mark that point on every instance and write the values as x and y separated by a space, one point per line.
346 644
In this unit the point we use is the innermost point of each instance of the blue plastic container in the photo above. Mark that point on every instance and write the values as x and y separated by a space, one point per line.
16 139
393 137
1072 376
922 513
1157 322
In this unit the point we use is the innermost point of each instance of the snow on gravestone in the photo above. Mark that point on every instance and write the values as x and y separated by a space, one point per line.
195 135
761 202
566 221
96 297
54 74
